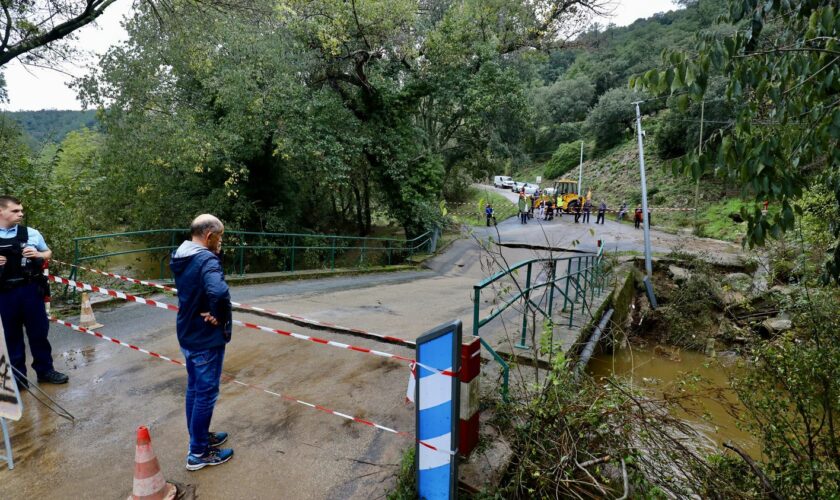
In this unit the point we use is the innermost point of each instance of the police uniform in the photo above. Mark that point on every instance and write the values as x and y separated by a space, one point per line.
22 291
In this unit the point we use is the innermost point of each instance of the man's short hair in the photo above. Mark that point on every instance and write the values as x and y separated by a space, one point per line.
204 223
7 200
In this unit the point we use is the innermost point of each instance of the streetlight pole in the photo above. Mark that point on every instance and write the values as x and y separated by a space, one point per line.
645 218
580 169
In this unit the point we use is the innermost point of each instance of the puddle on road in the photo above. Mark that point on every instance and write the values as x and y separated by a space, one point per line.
77 358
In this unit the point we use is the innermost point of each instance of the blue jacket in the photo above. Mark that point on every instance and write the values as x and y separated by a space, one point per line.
201 288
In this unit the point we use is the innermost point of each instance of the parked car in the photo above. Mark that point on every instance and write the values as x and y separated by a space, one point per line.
531 188
517 186
502 181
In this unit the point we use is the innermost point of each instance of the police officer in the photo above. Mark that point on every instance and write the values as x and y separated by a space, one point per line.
22 254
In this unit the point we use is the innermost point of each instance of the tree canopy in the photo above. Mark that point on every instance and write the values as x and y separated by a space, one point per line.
780 60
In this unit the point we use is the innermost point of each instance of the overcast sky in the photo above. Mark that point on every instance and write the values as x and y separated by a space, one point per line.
34 88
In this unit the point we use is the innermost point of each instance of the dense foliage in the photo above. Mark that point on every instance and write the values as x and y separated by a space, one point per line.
779 60
294 119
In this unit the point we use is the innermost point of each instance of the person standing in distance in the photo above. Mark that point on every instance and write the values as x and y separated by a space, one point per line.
204 327
22 254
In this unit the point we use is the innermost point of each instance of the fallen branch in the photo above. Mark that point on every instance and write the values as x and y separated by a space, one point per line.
594 461
765 481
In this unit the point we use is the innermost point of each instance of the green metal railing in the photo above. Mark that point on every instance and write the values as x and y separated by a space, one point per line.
583 279
288 248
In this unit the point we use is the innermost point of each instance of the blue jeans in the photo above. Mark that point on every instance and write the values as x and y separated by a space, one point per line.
204 372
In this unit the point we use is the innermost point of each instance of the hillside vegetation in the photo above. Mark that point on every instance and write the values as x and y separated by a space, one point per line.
50 125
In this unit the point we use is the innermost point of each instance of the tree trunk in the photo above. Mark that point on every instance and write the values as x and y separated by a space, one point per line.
360 227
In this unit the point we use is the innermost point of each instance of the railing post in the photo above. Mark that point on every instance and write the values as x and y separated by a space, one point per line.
572 302
551 277
566 293
76 258
332 254
241 259
476 306
521 344
388 250
362 254
293 254
586 279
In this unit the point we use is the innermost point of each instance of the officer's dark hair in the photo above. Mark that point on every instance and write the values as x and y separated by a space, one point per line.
198 228
6 200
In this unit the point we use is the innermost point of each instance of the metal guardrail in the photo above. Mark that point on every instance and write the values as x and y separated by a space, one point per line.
323 248
583 278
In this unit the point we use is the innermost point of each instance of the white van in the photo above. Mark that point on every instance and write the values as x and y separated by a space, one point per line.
502 181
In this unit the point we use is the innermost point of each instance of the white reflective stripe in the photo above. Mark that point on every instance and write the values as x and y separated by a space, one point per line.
144 453
149 486
469 399
412 384
429 458
435 389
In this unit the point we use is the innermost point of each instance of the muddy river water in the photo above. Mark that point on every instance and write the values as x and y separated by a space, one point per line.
657 373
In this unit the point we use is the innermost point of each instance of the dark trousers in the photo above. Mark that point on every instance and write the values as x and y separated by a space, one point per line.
586 216
204 372
600 219
577 217
637 223
23 307
523 217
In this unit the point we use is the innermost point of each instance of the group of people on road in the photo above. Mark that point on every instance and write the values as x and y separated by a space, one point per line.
583 209
203 327
543 206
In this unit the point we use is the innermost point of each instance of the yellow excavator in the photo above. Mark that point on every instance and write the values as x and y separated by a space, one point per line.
565 194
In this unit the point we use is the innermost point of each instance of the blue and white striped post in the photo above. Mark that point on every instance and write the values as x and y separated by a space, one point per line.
437 405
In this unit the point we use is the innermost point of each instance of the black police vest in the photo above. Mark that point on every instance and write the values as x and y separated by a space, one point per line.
14 273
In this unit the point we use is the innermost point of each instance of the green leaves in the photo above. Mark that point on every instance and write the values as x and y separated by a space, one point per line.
787 125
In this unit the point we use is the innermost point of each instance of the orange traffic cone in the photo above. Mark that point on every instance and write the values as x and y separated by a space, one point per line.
148 479
87 319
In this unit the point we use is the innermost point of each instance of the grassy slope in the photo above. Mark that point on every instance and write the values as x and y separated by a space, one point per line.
471 212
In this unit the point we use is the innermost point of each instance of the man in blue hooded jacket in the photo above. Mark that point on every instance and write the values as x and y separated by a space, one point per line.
204 327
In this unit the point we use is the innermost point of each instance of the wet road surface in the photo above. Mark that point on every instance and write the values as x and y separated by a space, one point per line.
283 450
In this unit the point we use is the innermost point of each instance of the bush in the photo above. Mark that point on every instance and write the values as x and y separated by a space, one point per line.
612 118
565 158
670 138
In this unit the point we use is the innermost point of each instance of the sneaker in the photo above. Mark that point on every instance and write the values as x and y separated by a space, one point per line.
53 377
213 456
218 438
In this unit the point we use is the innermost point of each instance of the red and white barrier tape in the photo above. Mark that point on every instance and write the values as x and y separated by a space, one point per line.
112 293
325 324
253 326
233 380
248 307
119 277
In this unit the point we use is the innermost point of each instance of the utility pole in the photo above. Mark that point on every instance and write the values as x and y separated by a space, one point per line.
645 219
699 154
580 170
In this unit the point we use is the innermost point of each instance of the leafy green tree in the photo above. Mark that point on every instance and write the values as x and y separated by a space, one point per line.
782 73
613 117
565 100
57 205
37 29
679 130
